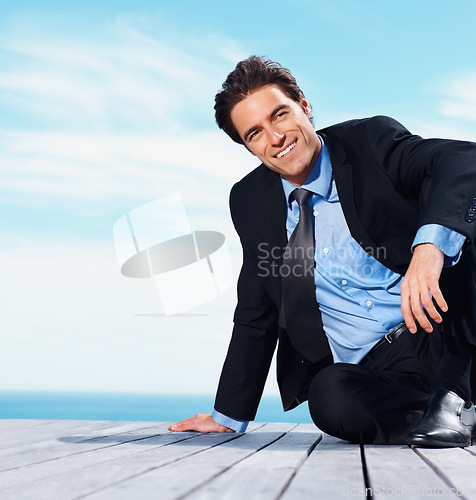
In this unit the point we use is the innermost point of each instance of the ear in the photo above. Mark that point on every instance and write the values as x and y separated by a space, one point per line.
306 107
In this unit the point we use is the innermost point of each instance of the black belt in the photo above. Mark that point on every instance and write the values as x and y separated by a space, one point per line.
390 337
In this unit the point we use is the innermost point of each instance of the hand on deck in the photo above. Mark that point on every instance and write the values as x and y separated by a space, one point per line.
420 284
201 423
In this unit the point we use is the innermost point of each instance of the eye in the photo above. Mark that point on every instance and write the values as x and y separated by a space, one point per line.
280 115
253 135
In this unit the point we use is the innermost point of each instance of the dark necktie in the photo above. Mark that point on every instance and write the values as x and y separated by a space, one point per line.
299 310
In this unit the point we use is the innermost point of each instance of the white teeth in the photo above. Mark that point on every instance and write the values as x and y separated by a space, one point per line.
286 151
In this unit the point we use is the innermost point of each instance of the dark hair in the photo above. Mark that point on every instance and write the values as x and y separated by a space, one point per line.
250 75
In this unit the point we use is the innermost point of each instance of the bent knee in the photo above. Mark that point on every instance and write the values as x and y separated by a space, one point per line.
334 399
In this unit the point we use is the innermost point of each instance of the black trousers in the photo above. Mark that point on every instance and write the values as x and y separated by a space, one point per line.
383 397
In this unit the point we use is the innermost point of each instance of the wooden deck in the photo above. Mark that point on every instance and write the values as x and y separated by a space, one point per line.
70 459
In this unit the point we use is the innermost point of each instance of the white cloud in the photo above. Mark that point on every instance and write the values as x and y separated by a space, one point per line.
460 100
129 79
90 125
128 117
440 128
66 168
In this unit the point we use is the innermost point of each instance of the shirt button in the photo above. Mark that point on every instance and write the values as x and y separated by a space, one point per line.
370 303
326 250
344 282
316 213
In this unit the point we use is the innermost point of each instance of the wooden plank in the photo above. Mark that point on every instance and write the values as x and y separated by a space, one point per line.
54 476
109 449
10 433
397 471
53 449
21 437
181 477
78 460
115 433
70 429
23 423
265 474
74 484
333 470
111 460
456 466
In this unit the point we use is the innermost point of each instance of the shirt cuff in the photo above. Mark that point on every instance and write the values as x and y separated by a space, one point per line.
448 241
231 423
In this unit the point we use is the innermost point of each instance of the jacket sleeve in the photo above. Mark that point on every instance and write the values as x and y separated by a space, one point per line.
254 335
440 173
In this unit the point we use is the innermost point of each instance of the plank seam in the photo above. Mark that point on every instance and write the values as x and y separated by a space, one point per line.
437 471
234 463
154 468
365 472
95 450
309 451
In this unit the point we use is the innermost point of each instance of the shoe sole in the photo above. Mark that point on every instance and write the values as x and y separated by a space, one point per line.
434 443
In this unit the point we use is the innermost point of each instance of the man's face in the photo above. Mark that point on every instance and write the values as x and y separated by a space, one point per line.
278 131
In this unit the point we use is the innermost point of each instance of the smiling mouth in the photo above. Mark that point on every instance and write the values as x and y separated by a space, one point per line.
284 152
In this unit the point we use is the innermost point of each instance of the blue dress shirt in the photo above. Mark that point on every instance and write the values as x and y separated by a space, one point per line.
358 297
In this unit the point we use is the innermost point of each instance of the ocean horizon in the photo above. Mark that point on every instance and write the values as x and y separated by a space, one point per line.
129 407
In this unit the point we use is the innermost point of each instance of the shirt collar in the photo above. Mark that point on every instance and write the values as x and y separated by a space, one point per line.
319 179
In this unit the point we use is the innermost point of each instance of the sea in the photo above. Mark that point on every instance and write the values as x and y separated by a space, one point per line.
130 407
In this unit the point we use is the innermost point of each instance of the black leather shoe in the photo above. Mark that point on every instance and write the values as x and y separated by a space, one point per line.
446 422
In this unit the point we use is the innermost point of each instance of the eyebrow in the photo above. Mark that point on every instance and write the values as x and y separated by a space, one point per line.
270 117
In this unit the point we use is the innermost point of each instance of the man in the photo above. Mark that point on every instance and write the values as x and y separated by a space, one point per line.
358 259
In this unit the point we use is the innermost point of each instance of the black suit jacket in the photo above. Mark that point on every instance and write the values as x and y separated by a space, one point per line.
390 183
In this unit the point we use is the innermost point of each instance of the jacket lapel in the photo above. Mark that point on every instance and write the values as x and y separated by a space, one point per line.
343 175
272 208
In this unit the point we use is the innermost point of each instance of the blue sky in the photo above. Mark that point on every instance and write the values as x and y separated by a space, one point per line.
105 106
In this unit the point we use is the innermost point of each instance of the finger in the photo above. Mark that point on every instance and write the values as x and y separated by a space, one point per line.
409 319
184 425
438 296
422 320
419 313
406 308
177 427
430 308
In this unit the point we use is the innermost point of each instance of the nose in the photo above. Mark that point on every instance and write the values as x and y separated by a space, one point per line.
277 137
